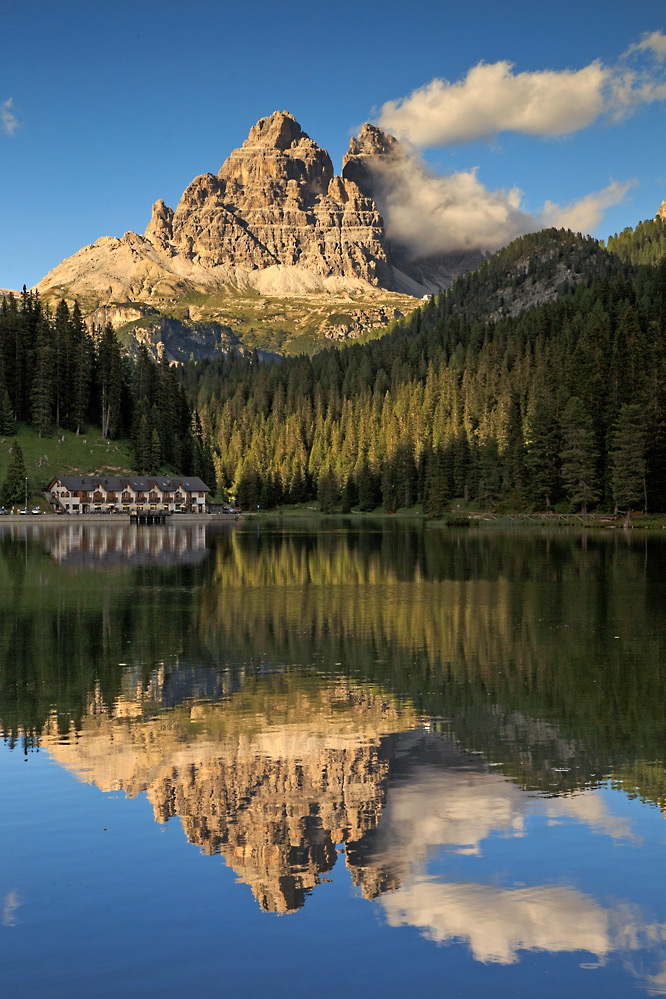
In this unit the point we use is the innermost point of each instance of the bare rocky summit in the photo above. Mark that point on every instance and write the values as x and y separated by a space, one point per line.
274 221
275 218
661 214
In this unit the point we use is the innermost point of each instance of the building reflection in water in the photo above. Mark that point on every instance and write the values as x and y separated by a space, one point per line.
105 545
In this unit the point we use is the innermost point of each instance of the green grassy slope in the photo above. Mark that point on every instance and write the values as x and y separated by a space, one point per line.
64 452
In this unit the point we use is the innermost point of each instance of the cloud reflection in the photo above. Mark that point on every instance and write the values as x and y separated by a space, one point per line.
11 904
460 808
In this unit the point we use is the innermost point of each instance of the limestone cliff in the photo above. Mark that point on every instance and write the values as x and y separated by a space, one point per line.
274 205
661 214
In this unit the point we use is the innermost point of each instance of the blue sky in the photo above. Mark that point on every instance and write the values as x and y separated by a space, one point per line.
104 108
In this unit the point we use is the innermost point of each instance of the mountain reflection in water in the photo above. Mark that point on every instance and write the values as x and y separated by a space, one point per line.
441 711
277 791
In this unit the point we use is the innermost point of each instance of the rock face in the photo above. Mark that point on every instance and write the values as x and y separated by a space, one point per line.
661 214
275 201
275 218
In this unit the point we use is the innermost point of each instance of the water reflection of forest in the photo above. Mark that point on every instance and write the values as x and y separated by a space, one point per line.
541 651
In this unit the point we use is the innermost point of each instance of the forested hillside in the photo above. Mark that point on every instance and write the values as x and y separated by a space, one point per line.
645 245
55 373
562 403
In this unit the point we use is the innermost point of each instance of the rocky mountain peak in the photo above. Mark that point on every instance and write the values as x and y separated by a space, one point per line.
160 228
276 152
279 131
371 141
274 218
661 214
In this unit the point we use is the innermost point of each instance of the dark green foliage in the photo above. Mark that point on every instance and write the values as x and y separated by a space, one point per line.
436 491
644 245
349 497
328 491
7 422
579 456
542 453
462 383
628 451
55 373
248 488
13 488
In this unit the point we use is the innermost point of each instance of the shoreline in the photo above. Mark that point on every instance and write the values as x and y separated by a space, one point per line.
108 518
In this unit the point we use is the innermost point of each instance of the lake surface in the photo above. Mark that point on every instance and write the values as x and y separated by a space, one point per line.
261 760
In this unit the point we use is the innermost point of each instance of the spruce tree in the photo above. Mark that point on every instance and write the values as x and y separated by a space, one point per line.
328 490
629 446
13 488
579 457
7 423
436 493
542 453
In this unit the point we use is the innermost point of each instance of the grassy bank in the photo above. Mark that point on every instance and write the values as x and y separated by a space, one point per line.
64 453
475 518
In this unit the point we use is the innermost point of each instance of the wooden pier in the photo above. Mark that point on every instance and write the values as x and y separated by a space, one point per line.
150 517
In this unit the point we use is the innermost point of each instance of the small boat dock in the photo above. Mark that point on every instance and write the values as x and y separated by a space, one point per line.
149 517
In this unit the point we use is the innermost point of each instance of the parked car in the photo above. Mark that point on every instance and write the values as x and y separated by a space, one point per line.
36 509
58 509
24 510
3 511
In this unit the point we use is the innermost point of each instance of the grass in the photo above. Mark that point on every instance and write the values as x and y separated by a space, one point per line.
281 324
50 455
471 516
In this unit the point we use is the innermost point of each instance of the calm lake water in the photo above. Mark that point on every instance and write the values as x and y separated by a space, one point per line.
249 760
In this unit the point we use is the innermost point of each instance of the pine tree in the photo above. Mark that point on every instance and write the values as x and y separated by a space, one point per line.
328 490
629 446
7 423
436 493
80 369
155 452
13 488
542 453
109 381
60 345
43 379
579 457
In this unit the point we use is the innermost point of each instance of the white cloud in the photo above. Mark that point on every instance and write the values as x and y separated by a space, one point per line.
653 42
493 98
434 213
460 809
496 923
9 120
430 213
585 214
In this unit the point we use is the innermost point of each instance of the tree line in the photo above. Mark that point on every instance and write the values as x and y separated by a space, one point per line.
58 373
563 404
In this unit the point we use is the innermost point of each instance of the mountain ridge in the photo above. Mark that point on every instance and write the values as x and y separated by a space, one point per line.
275 222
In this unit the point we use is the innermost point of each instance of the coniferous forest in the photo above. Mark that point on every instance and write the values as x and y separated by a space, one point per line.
56 373
536 382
